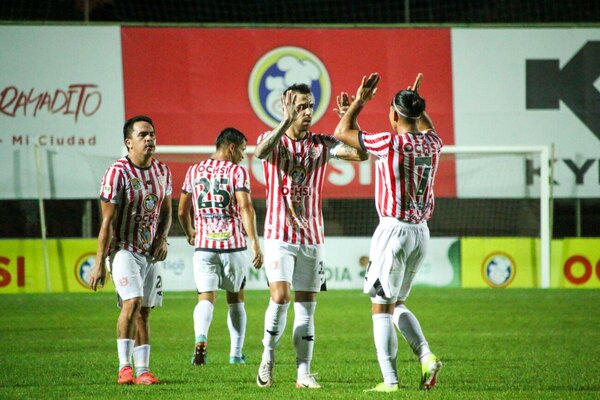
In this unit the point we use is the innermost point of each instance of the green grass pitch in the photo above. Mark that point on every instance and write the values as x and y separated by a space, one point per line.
495 344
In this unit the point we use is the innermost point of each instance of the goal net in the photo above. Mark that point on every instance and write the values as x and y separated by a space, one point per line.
481 192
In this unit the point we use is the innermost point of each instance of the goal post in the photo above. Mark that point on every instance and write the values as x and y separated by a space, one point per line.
479 173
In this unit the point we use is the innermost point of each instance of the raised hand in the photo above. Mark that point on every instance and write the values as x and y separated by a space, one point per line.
343 103
291 111
417 84
368 87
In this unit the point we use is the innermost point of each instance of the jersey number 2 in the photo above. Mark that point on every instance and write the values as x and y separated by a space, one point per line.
212 196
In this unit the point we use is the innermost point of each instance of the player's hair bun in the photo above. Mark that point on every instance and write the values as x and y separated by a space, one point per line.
409 104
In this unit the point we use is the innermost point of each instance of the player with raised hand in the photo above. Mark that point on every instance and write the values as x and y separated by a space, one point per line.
294 160
136 217
219 189
407 162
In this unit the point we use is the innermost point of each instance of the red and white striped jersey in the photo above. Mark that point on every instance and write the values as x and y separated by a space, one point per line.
405 173
217 220
138 194
294 174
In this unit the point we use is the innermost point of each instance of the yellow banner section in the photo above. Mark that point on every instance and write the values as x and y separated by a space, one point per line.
576 264
22 267
500 262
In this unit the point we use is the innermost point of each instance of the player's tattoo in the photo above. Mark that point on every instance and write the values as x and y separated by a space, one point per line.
268 142
345 152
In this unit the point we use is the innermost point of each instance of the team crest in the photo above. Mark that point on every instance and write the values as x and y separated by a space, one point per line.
279 69
136 184
150 202
315 152
498 270
83 269
297 174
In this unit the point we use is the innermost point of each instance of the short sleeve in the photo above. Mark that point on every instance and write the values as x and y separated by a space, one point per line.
188 185
375 143
241 180
112 184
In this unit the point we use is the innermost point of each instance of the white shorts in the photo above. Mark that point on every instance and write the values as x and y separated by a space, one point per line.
397 252
220 270
136 275
299 264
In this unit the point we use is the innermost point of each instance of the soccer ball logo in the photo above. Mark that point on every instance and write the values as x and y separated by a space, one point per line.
279 69
499 270
83 269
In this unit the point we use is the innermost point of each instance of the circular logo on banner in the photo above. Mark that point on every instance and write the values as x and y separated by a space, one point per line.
499 270
83 269
279 69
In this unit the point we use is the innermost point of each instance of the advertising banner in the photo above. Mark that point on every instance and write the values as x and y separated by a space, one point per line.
500 262
578 263
530 87
203 80
22 266
61 109
346 260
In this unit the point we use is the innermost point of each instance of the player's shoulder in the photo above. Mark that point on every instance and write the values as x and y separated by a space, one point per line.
160 164
322 138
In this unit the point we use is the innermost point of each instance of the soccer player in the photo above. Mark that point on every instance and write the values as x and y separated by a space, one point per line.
219 189
136 217
407 161
294 161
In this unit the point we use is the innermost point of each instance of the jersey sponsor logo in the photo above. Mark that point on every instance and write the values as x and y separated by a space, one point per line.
136 184
145 238
498 270
107 189
276 71
298 174
83 269
150 202
162 180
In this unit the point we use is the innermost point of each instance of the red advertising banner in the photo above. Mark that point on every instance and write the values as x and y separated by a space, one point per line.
195 82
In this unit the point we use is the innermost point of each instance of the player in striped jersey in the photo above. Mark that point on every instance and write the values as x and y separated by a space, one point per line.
407 161
136 217
294 161
219 189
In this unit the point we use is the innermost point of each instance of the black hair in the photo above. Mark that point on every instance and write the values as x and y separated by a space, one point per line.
128 127
301 88
409 104
230 135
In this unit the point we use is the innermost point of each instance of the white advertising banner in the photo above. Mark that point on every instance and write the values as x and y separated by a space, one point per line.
529 87
345 263
61 97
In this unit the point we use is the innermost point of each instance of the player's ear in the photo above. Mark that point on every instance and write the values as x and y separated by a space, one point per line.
128 143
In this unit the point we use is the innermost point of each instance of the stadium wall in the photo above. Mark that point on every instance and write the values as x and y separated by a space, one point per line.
452 262
66 90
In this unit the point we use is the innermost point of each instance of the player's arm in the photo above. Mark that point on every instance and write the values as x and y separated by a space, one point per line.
290 112
349 153
343 103
249 222
346 129
98 275
160 245
185 218
424 123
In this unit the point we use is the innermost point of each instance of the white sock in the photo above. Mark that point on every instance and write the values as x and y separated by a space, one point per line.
386 344
409 327
275 320
203 313
124 351
304 335
141 358
236 322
